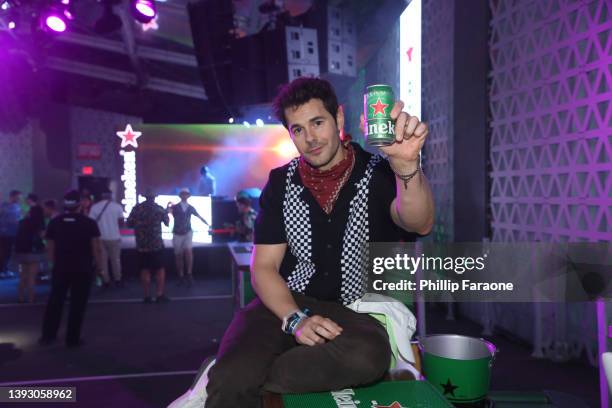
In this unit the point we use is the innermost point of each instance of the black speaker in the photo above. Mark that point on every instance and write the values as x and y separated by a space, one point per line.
212 29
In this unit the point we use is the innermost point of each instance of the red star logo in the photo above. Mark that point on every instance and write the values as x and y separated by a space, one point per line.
379 107
128 137
394 405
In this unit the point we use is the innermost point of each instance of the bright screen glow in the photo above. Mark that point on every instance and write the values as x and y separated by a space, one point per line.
203 205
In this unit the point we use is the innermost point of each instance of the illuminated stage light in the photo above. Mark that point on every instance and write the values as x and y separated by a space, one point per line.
53 21
5 5
259 122
144 10
11 25
246 123
230 120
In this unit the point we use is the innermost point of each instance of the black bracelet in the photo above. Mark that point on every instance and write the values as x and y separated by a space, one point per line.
407 177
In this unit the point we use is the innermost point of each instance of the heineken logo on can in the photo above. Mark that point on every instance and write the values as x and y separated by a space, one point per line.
377 104
346 399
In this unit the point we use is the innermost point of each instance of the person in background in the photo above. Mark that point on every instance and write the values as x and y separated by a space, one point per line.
30 250
109 217
50 210
86 202
182 239
31 200
10 214
207 184
73 242
146 219
246 220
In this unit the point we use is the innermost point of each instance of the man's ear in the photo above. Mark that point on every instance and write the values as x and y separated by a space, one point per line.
340 117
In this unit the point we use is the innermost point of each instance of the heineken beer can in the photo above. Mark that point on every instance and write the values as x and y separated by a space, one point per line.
377 104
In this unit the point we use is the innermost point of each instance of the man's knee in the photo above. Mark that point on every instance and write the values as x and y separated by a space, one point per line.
229 379
369 357
371 365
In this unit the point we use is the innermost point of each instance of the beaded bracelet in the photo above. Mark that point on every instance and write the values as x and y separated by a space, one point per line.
407 177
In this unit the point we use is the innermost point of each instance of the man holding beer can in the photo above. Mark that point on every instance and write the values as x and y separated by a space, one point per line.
318 212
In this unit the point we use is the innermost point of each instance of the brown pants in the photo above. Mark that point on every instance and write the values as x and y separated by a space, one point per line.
256 356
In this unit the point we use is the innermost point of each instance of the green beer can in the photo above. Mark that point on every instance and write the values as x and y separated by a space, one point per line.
377 104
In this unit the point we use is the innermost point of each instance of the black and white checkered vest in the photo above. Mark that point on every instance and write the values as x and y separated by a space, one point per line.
353 263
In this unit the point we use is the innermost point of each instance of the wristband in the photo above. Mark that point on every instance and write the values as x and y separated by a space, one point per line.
292 321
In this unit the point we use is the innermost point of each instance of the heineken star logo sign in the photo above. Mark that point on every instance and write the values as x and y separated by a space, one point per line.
128 137
379 108
128 178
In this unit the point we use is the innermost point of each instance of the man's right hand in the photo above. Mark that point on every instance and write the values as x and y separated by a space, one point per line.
316 330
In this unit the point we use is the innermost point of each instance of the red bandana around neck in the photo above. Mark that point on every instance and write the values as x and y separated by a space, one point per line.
325 185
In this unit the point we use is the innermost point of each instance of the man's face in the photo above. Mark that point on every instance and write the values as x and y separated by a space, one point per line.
184 197
315 133
16 198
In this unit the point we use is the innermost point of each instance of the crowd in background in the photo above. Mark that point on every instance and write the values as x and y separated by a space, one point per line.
24 221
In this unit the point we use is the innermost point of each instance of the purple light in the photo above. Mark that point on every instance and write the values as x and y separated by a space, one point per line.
11 25
55 23
144 10
66 2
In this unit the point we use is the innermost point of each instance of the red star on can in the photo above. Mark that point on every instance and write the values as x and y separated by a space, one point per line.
395 404
379 107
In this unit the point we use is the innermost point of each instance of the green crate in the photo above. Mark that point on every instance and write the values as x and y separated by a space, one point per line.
393 394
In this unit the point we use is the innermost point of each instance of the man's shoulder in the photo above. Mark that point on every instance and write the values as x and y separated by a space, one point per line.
116 206
158 208
279 173
361 153
364 156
